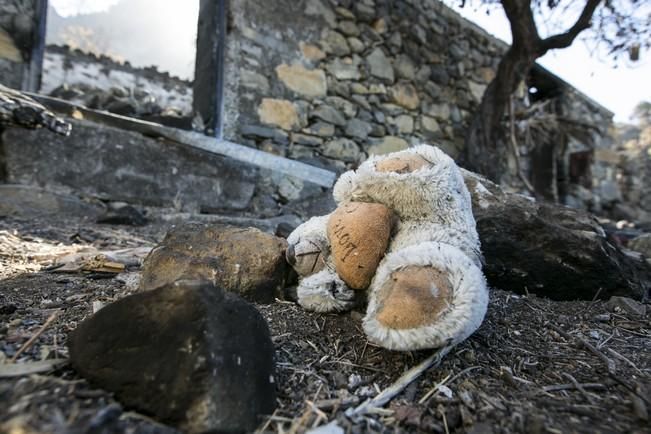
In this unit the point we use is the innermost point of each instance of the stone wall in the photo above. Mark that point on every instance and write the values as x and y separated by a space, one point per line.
342 80
17 24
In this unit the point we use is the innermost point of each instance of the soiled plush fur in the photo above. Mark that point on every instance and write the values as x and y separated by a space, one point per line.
436 228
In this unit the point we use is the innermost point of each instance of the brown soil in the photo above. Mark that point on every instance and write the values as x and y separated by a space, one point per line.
527 369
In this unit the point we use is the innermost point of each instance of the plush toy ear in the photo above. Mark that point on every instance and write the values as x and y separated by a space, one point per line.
402 164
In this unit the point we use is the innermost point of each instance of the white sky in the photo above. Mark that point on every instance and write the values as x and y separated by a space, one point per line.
618 89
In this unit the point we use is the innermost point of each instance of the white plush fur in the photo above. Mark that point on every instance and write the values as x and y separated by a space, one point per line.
325 292
468 306
436 228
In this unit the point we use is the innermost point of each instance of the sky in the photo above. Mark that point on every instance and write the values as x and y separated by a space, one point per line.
618 89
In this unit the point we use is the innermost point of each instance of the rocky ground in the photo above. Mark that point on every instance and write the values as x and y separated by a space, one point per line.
534 365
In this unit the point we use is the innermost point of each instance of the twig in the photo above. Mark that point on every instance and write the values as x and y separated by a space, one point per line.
558 387
31 340
578 387
405 379
621 357
610 365
516 153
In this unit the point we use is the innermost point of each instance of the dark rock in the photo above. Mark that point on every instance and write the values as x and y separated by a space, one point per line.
641 244
329 114
28 202
628 305
245 261
192 356
119 165
550 250
256 131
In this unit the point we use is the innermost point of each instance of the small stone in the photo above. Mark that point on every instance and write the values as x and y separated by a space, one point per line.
626 304
420 33
477 90
387 145
396 40
256 131
364 11
317 8
343 12
486 74
312 52
405 95
440 75
253 80
379 65
245 261
335 43
439 111
423 74
405 67
278 112
343 70
429 125
207 354
358 128
380 25
356 45
321 129
358 88
307 140
392 109
378 130
405 124
377 89
342 104
329 114
360 100
342 149
311 83
348 28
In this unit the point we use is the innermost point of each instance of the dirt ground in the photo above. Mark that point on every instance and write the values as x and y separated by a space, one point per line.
534 366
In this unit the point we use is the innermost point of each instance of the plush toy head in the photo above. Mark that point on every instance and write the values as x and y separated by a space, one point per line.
403 238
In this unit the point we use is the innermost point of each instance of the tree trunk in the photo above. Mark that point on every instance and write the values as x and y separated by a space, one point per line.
486 147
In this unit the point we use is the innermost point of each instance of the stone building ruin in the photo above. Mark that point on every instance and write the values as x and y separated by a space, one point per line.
339 81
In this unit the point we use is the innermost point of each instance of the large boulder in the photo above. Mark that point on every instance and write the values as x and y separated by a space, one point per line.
549 249
189 354
245 261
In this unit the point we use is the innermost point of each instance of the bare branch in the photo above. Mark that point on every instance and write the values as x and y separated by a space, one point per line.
564 40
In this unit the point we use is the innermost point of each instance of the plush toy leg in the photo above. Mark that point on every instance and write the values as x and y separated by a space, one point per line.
325 292
425 296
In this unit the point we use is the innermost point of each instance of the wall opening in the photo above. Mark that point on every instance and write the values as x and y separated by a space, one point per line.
130 57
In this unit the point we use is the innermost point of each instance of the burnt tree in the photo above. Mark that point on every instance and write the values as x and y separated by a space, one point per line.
612 25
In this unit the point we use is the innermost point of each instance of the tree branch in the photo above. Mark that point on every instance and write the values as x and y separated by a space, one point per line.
564 40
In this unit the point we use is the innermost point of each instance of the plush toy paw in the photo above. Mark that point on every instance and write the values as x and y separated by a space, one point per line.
425 296
325 292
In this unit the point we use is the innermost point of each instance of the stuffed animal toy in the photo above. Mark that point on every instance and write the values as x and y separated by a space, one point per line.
402 239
